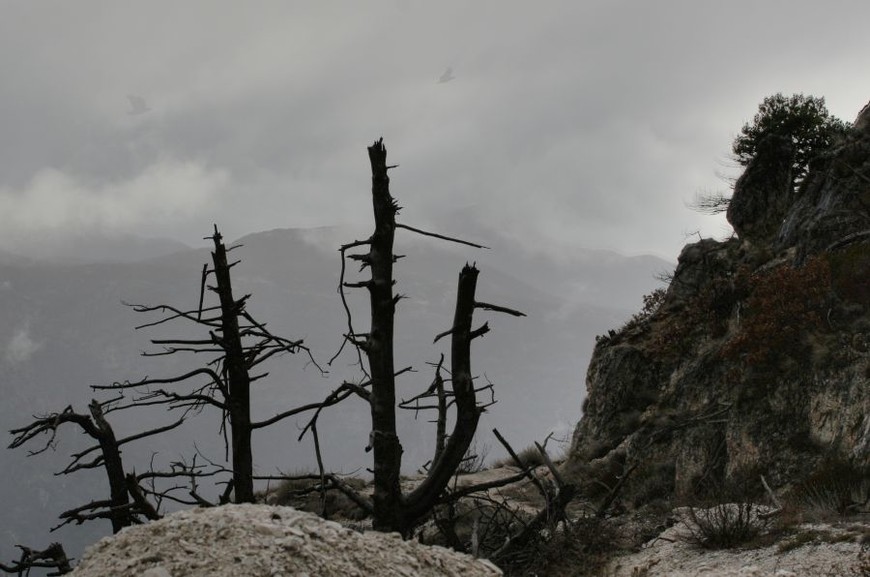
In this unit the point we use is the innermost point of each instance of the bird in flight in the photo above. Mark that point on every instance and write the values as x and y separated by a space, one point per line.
446 77
137 105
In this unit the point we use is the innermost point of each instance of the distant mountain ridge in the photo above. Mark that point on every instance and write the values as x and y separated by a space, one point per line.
89 248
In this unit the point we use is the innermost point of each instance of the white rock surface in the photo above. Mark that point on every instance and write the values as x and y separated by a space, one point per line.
669 555
266 541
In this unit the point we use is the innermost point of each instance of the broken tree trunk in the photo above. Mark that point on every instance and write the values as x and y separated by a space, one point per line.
393 511
119 509
426 495
119 497
237 376
378 347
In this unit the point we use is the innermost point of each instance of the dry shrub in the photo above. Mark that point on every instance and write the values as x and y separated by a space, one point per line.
724 525
652 302
302 492
837 488
582 548
530 457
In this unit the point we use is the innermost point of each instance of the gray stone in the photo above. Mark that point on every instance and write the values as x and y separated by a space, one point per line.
666 394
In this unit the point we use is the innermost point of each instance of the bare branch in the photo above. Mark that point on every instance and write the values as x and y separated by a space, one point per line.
53 557
151 432
166 381
498 309
456 494
526 471
441 236
195 315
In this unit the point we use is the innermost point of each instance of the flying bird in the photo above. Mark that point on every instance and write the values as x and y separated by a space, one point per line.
446 77
137 105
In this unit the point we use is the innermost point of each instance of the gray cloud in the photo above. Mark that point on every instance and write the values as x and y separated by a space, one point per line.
566 125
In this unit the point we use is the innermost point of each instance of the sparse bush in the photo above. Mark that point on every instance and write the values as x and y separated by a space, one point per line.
581 548
530 457
652 302
724 526
798 541
836 489
805 537
303 492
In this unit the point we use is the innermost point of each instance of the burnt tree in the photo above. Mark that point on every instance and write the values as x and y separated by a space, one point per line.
53 557
392 509
239 344
125 505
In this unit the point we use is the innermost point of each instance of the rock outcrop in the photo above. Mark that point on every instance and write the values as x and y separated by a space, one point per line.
262 540
763 194
756 360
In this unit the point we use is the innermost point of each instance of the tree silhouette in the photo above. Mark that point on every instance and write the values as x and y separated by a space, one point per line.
392 509
803 120
126 504
238 344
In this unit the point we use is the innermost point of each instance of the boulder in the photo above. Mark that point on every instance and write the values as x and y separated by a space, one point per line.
764 192
262 540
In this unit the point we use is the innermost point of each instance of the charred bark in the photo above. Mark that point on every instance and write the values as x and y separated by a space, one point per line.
425 496
394 511
236 373
378 347
119 508
53 557
237 343
114 468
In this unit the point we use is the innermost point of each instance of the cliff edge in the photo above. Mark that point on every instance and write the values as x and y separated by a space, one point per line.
756 359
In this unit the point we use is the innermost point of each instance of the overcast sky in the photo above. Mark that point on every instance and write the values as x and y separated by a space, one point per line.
565 124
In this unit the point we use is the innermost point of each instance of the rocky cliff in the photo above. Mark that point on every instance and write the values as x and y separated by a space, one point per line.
756 359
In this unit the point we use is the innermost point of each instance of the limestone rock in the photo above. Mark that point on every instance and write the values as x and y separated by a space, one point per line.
694 398
262 540
763 194
862 122
833 206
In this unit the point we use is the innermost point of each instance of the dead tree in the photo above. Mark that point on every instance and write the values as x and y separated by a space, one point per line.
239 344
123 507
53 557
392 510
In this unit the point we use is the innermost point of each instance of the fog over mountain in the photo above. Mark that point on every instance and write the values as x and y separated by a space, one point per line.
63 327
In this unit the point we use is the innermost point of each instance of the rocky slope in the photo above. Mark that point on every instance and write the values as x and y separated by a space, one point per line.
809 550
260 540
756 360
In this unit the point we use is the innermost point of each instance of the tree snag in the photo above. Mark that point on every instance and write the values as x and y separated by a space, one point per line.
393 510
238 344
